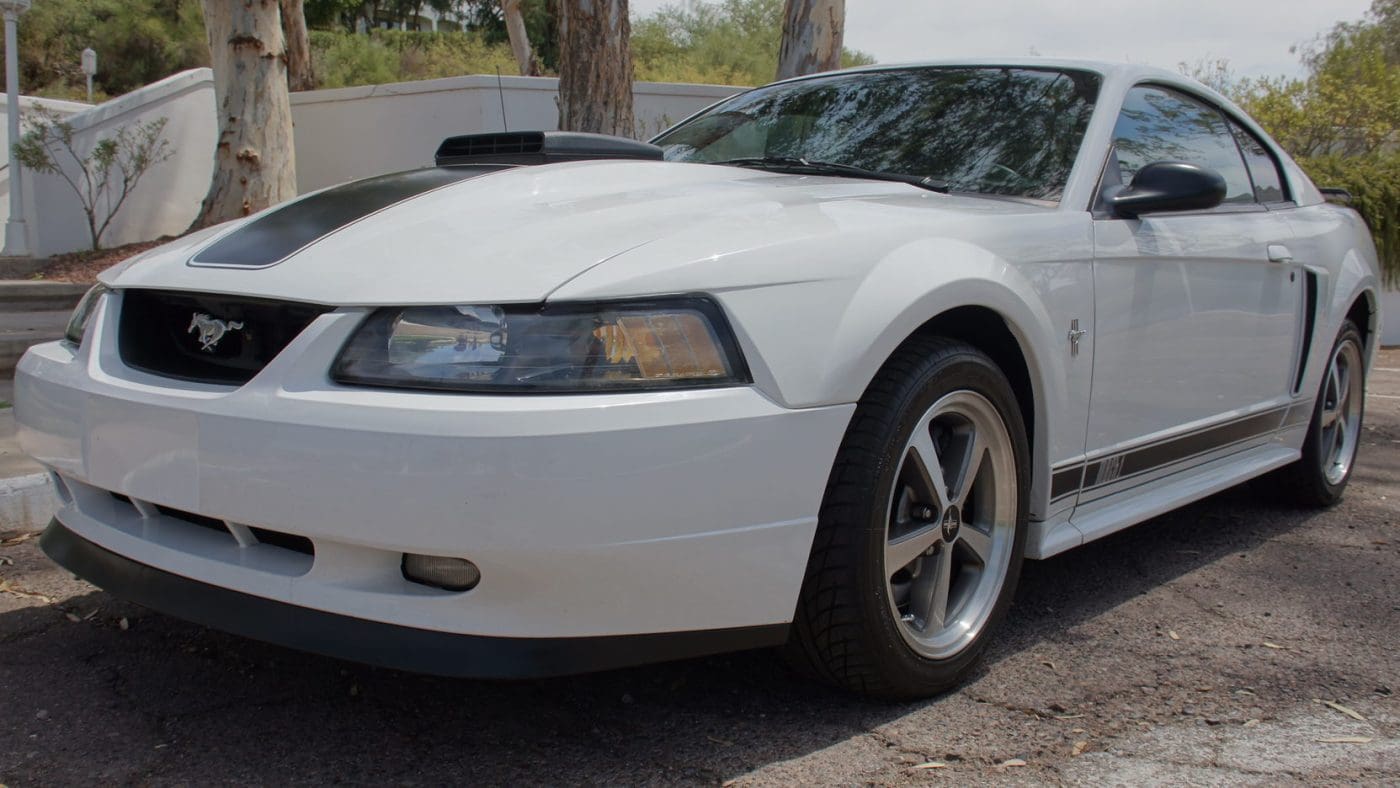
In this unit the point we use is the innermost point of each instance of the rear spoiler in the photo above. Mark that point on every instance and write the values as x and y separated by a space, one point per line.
1336 195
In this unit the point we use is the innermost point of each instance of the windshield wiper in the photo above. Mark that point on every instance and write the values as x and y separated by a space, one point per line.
789 163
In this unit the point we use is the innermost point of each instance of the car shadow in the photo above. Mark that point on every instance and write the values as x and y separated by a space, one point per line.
193 704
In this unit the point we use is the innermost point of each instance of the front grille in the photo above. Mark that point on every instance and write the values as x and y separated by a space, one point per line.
207 338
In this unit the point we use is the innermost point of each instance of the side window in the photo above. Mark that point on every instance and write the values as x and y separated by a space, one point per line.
1263 168
1162 125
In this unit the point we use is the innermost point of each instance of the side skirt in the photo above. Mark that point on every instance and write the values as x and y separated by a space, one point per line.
1105 516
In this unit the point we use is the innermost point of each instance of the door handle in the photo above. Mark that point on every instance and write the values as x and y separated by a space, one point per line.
1278 253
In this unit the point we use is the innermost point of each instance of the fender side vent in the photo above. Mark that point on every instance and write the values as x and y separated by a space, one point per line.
1309 324
540 147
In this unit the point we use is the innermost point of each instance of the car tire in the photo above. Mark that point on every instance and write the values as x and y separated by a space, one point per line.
1334 433
879 631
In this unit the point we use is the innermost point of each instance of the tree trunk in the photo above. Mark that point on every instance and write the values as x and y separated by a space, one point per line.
254 163
300 75
812 33
519 40
595 67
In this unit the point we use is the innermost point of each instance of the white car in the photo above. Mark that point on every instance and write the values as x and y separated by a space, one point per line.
820 378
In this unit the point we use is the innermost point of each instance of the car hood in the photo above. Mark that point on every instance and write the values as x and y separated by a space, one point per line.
518 234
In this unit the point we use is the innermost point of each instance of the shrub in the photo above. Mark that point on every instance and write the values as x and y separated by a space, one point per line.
106 175
345 59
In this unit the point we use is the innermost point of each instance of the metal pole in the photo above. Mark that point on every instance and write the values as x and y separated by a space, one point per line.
16 234
89 76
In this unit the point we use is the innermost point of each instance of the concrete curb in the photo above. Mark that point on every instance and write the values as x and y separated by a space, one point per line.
26 502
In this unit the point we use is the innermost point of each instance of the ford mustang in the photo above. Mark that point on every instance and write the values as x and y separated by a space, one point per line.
818 368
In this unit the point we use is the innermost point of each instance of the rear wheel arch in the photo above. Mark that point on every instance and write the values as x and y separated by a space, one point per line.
1362 312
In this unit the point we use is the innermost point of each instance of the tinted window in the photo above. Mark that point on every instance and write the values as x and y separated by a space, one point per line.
1263 169
1161 125
989 130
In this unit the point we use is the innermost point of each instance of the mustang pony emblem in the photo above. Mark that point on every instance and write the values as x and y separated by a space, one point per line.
211 330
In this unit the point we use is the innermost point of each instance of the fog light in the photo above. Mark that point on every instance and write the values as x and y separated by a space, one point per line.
451 574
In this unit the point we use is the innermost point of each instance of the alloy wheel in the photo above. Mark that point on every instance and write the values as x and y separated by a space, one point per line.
1341 413
951 524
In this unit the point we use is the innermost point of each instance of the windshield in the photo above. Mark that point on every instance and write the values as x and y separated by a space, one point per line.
1006 131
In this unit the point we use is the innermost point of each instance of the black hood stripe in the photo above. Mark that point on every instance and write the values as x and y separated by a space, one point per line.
277 235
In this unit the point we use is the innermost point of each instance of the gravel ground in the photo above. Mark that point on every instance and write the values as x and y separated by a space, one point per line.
1202 647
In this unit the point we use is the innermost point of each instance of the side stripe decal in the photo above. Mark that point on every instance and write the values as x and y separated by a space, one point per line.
1141 460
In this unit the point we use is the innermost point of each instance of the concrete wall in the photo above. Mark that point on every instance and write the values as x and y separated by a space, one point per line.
60 108
168 196
1390 318
349 133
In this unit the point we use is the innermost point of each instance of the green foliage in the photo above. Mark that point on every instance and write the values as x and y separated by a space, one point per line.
344 59
732 42
137 42
1340 120
487 17
106 175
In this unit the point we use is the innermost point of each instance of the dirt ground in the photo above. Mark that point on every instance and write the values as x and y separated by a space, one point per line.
83 267
1235 641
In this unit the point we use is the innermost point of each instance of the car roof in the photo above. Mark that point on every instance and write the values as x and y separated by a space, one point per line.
1106 68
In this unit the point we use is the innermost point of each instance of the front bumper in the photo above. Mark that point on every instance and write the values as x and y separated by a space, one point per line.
402 648
589 516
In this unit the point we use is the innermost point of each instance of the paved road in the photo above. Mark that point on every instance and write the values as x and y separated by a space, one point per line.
1196 648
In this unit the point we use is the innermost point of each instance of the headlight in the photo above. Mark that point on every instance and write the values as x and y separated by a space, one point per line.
77 324
554 348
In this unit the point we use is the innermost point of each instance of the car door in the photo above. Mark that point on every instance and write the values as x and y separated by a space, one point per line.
1196 313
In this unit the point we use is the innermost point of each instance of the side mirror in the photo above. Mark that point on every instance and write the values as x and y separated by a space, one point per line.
1169 186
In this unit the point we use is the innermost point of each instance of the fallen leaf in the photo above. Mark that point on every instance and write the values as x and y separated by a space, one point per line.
1251 723
6 588
14 540
1047 663
1267 644
124 624
72 617
717 740
931 765
1353 713
1078 748
1068 716
1011 763
1345 740
1171 633
89 616
6 561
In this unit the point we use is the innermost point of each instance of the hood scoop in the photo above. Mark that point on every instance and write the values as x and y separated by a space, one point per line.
540 147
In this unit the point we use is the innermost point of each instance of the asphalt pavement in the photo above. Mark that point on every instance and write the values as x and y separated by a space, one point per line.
1236 641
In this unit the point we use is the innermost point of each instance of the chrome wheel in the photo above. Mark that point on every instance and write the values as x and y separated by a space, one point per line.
951 525
1341 413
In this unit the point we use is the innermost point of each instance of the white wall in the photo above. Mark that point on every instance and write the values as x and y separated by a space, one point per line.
59 107
349 133
1390 318
341 135
168 196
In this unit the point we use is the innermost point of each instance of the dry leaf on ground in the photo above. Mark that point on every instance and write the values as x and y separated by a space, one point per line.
1353 713
1011 763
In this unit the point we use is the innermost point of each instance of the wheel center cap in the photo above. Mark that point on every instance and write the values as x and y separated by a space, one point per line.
952 520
